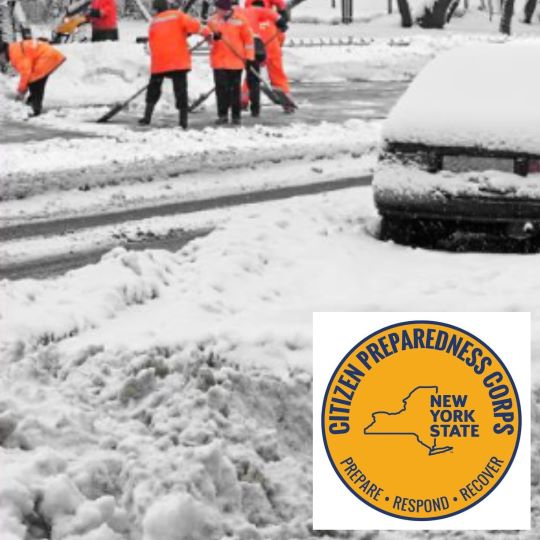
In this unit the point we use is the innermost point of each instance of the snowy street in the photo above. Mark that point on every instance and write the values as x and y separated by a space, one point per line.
157 286
326 101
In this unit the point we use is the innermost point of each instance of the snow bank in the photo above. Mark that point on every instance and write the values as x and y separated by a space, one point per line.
175 388
482 95
380 59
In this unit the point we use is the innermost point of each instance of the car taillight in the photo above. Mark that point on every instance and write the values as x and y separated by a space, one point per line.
533 166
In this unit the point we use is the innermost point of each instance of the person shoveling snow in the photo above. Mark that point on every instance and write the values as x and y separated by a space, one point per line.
35 61
170 57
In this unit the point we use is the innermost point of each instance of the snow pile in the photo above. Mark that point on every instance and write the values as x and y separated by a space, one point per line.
180 517
466 97
9 107
175 388
124 279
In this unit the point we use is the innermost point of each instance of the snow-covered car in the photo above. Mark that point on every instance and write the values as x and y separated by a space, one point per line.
461 148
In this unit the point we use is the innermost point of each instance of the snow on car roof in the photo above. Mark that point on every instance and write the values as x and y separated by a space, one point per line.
485 95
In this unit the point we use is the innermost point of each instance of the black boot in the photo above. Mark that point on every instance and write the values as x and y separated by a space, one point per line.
183 118
36 109
147 118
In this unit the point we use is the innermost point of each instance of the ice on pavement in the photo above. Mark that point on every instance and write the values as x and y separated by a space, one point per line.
168 395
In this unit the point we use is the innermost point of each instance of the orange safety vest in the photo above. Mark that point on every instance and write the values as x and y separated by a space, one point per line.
257 15
236 35
33 60
167 36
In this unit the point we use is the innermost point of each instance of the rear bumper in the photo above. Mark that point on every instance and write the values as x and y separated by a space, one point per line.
405 191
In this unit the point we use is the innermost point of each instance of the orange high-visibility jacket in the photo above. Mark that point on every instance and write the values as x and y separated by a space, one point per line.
168 33
257 15
33 60
236 35
269 32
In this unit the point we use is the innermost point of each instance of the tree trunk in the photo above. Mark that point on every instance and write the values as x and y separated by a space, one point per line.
530 6
405 12
436 16
506 17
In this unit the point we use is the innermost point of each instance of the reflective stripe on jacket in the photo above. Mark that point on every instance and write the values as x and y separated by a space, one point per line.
33 60
168 33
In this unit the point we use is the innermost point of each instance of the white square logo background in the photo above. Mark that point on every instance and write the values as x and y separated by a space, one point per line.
507 506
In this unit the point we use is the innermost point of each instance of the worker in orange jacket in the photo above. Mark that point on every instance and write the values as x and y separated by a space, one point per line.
273 39
232 47
103 17
257 15
35 61
170 57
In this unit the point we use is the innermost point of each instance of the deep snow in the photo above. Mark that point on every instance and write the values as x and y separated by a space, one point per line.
154 386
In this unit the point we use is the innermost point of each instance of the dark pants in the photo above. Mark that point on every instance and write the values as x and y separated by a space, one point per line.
36 92
105 35
253 81
179 80
228 83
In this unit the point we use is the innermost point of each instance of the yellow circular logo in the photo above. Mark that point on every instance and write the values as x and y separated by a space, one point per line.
421 420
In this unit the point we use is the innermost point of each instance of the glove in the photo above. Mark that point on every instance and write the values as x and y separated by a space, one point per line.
20 96
216 36
282 24
94 13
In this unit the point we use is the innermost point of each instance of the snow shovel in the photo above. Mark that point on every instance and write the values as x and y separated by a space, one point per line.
120 106
201 99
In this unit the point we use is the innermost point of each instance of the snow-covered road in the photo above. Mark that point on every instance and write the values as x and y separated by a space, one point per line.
318 102
50 265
